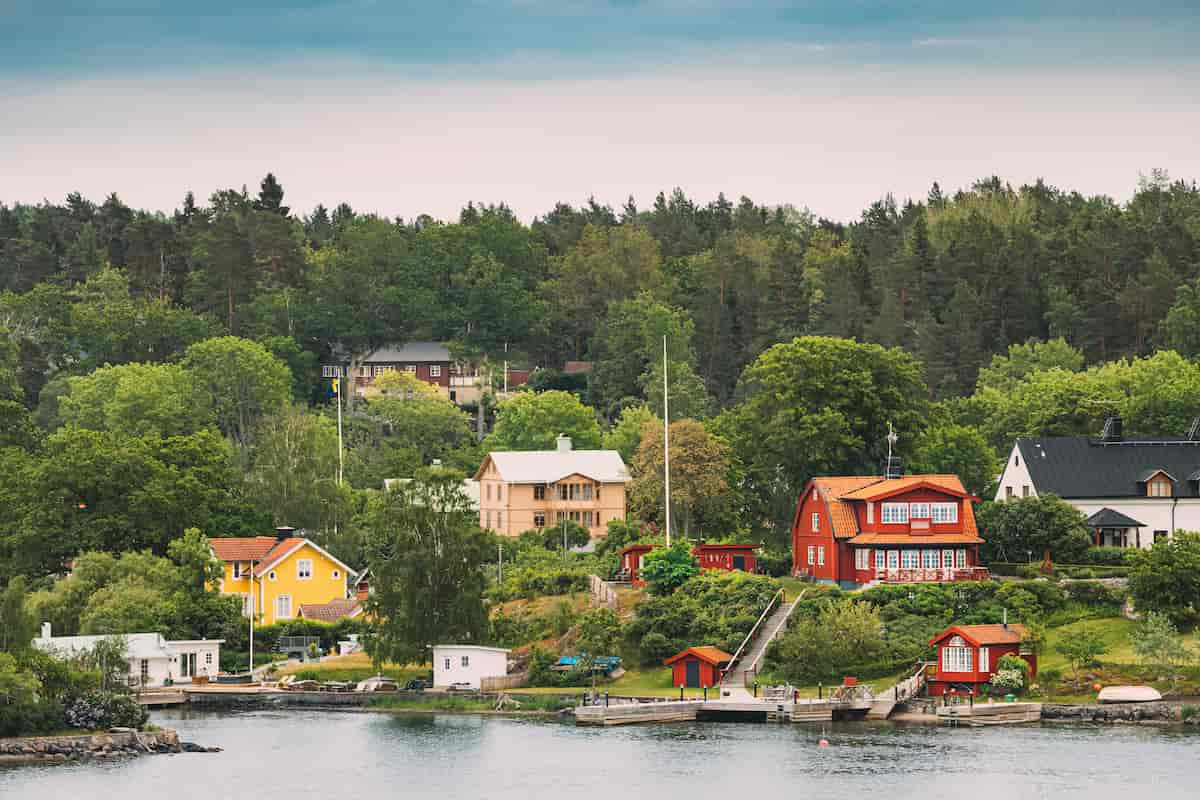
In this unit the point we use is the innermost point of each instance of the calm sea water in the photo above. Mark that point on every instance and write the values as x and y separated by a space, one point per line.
290 755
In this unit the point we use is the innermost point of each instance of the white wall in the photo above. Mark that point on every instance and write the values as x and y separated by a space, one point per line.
482 662
1015 478
208 658
1154 512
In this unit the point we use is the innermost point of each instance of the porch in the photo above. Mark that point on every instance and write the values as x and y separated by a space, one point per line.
933 575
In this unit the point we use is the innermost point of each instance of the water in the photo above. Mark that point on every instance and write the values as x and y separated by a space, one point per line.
291 755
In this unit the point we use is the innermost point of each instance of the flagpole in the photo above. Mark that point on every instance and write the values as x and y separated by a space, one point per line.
666 446
337 389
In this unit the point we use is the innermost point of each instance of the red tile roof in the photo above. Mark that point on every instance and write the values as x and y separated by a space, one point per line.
837 490
915 538
882 487
331 611
713 655
243 548
981 635
277 552
842 514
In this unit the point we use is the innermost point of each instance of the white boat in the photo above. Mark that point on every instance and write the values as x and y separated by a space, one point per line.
1129 694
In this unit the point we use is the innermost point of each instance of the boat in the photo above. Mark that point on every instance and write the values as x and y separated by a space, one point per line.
1129 694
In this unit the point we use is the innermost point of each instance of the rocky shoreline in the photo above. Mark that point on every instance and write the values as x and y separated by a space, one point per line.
1164 713
84 747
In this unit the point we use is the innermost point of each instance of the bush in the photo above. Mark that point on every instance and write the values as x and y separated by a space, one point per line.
845 638
1107 556
775 563
31 718
1096 595
100 710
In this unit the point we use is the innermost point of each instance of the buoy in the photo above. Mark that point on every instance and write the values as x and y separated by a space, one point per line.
823 743
1097 686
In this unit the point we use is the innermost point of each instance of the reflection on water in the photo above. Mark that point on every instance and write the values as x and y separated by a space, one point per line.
278 755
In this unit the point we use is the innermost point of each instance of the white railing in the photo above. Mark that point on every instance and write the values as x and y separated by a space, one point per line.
603 592
939 574
774 601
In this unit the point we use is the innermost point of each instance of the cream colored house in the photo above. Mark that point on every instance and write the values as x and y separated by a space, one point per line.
520 491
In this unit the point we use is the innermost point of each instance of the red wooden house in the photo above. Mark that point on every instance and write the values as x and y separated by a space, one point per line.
967 656
698 667
862 530
728 557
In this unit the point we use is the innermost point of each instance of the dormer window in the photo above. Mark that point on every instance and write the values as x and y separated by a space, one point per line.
1158 486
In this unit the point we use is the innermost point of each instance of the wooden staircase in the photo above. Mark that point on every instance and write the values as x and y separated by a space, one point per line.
884 703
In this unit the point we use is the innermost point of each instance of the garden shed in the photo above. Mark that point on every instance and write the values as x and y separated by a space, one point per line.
698 667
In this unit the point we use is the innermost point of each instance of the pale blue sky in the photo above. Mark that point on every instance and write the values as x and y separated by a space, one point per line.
406 108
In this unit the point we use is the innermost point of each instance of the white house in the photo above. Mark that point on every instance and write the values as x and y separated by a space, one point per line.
152 659
466 663
1134 492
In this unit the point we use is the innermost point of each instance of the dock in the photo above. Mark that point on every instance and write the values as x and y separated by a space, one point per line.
722 710
981 714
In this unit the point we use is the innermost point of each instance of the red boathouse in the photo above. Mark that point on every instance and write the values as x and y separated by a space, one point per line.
698 667
862 530
967 656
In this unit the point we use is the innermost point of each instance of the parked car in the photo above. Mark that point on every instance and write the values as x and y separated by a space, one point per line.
415 685
461 686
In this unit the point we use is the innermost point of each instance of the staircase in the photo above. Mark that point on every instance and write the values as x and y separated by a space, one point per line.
744 667
885 702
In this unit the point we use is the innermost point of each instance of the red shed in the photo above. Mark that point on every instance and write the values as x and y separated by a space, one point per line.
698 667
968 655
726 556
631 562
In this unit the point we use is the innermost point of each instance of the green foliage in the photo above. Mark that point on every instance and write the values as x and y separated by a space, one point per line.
157 400
1155 640
1024 359
1108 556
845 637
536 571
599 632
241 380
1082 648
294 468
625 436
1166 578
951 449
553 536
1026 527
668 568
701 474
534 421
1012 675
713 608
424 551
17 625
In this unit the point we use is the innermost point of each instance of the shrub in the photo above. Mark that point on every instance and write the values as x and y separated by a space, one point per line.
1187 712
1015 671
1007 681
668 568
1082 648
1095 595
1107 556
655 648
845 638
30 718
775 563
100 710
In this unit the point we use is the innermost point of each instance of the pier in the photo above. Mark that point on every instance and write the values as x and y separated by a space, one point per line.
723 710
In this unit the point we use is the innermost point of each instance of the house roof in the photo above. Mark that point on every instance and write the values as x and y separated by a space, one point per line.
1078 466
636 548
915 538
982 635
840 492
137 645
1108 518
331 611
471 647
708 653
573 367
243 548
549 466
705 546
286 547
411 352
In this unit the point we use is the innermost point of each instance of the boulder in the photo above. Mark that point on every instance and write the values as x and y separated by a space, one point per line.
1129 694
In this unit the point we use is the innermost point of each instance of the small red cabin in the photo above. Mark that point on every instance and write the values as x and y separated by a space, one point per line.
967 656
726 557
698 667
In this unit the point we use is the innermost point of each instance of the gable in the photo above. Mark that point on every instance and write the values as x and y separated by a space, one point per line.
292 550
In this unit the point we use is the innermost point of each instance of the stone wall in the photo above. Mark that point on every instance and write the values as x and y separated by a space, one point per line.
87 746
1118 712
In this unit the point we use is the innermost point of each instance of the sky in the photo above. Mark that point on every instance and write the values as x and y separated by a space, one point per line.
405 108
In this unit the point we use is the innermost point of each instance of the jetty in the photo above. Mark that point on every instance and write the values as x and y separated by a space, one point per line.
722 710
982 714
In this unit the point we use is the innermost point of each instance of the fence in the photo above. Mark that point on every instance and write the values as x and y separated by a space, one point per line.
604 593
502 682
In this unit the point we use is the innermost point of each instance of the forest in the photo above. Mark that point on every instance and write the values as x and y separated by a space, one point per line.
160 372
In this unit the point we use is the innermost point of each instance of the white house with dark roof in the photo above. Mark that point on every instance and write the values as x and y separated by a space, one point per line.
520 491
153 659
1134 492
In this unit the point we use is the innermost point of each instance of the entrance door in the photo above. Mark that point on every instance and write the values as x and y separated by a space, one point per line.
692 674
187 665
739 562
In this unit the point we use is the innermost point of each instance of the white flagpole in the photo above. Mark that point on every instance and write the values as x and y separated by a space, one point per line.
666 446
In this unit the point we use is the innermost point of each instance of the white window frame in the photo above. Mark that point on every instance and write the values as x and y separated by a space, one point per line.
820 555
944 513
237 570
930 559
816 522
446 664
893 559
871 513
283 606
812 555
465 661
862 558
960 558
880 559
894 513
435 370
304 569
271 575
958 659
411 369
984 659
335 574
910 559
948 558
918 510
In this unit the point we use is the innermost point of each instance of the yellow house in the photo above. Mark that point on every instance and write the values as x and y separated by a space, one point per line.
277 574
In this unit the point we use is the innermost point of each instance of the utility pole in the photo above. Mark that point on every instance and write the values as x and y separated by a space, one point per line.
666 446
500 563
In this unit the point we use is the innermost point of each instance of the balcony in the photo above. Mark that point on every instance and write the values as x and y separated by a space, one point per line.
938 575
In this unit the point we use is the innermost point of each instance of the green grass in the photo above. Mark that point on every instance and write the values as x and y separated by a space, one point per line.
354 667
467 704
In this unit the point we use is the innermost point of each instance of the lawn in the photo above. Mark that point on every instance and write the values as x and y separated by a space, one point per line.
354 667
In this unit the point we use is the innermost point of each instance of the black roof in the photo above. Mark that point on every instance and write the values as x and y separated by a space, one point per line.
1078 466
1107 518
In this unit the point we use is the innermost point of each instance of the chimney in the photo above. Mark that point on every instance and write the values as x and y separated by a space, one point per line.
893 467
1112 429
45 631
284 532
564 443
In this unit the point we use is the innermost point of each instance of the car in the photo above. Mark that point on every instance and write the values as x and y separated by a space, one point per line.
415 685
461 686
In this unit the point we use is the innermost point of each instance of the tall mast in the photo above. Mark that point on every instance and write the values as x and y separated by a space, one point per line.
666 446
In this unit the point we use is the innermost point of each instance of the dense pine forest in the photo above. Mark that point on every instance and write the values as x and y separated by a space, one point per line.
162 371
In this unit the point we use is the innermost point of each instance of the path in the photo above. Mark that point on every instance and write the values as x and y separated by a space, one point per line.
748 663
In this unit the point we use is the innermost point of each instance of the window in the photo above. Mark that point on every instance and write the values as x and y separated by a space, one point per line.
283 606
821 555
587 520
812 555
895 513
245 605
816 522
574 491
304 569
336 574
364 372
1158 487
983 659
944 512
929 559
957 659
1008 493
948 559
598 491
1025 490
435 370
862 558
1160 536
1016 461
539 520
562 491
466 661
237 570
587 491
918 511
208 658
410 368
487 520
144 670
328 371
559 516
446 665
893 559
488 491
499 491
910 559
960 558
499 520
870 513
880 559
271 575
539 493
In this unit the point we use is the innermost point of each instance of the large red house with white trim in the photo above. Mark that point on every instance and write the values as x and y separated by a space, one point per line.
862 530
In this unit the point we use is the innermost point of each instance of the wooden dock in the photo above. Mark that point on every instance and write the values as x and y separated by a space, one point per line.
743 710
982 714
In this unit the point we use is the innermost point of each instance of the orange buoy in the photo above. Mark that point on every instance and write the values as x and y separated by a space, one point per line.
1097 686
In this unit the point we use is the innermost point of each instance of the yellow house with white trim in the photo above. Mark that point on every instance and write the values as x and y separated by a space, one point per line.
276 575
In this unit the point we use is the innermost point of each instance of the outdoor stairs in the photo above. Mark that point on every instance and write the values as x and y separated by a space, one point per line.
884 703
743 671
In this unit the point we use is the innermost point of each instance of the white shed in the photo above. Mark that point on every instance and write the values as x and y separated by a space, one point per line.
467 663
152 659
